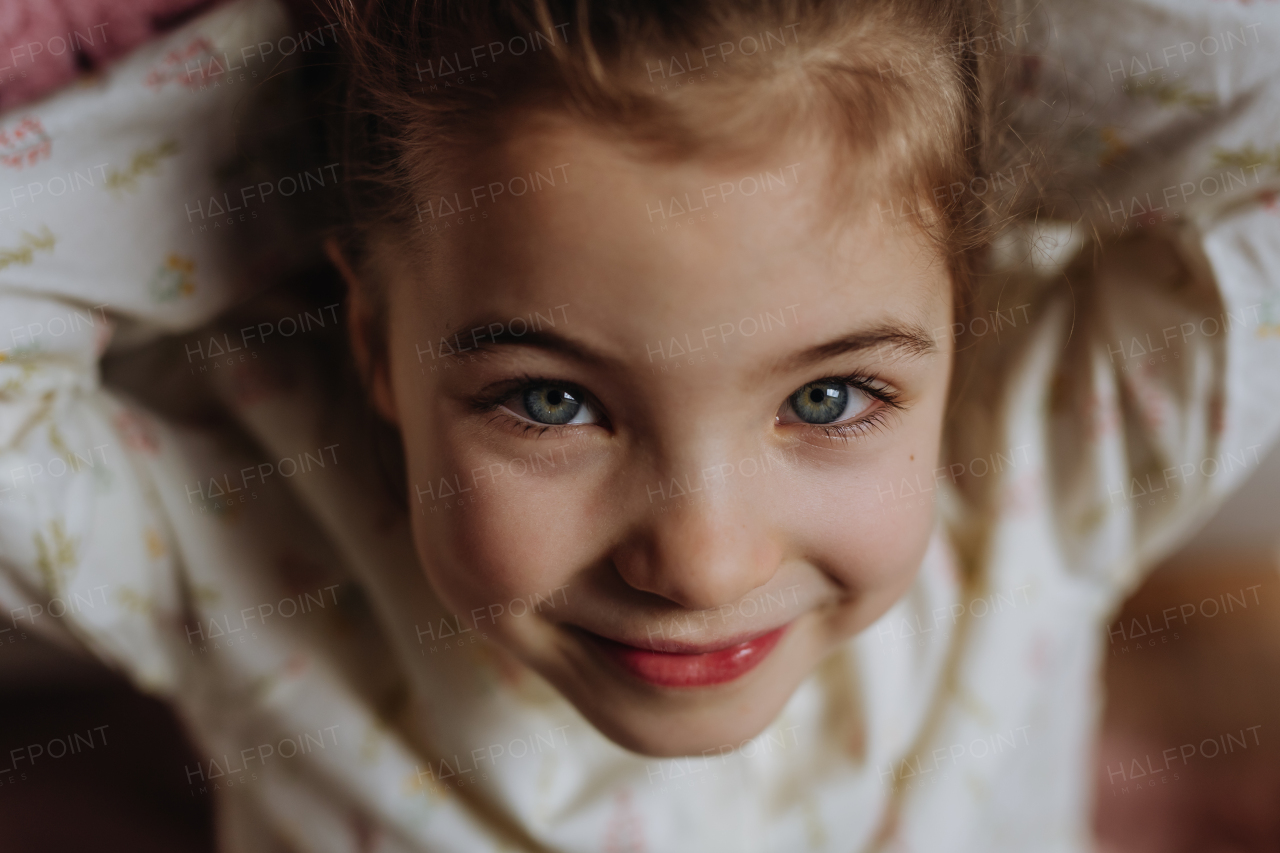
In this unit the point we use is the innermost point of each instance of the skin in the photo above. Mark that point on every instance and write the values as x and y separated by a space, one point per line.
812 532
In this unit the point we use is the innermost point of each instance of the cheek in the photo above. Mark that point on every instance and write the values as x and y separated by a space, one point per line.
868 526
489 526
871 540
524 525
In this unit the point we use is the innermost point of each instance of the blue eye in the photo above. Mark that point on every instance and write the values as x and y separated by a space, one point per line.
554 405
827 401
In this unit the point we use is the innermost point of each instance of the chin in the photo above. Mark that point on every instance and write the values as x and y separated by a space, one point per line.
663 738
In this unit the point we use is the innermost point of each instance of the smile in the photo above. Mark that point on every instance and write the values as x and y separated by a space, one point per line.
689 668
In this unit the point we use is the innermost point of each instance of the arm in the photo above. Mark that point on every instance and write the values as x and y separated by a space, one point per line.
97 240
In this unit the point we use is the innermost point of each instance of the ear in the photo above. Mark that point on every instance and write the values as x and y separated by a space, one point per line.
371 360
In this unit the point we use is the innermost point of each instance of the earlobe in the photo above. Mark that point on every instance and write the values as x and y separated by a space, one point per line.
370 359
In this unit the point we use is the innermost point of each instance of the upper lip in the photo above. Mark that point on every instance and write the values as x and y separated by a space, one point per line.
676 647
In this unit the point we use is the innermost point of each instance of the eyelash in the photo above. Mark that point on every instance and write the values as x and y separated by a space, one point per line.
494 396
878 419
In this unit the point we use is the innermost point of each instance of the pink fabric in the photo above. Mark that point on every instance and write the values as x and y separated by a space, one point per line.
45 44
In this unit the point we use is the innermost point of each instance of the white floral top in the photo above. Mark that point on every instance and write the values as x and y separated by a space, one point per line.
246 571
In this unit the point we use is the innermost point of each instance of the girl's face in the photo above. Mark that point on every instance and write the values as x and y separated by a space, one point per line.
681 437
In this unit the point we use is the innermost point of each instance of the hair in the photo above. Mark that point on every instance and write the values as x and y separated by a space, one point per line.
908 93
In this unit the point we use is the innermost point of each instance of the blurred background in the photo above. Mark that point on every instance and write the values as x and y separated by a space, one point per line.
1204 674
1187 760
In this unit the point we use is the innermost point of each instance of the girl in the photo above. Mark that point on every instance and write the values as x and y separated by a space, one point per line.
785 396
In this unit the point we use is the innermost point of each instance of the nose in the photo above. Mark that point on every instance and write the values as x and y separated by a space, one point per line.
701 551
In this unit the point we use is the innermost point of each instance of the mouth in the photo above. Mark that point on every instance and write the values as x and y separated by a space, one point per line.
689 667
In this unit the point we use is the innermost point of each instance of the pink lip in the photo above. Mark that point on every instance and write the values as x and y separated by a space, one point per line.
690 668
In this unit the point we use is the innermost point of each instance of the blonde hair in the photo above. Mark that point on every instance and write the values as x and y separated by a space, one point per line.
908 90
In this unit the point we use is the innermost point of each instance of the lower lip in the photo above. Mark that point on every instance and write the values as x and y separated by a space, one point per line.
668 669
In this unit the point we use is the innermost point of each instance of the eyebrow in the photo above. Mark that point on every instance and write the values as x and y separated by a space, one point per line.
908 341
462 343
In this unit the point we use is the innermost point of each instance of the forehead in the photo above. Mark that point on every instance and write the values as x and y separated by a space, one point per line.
563 214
